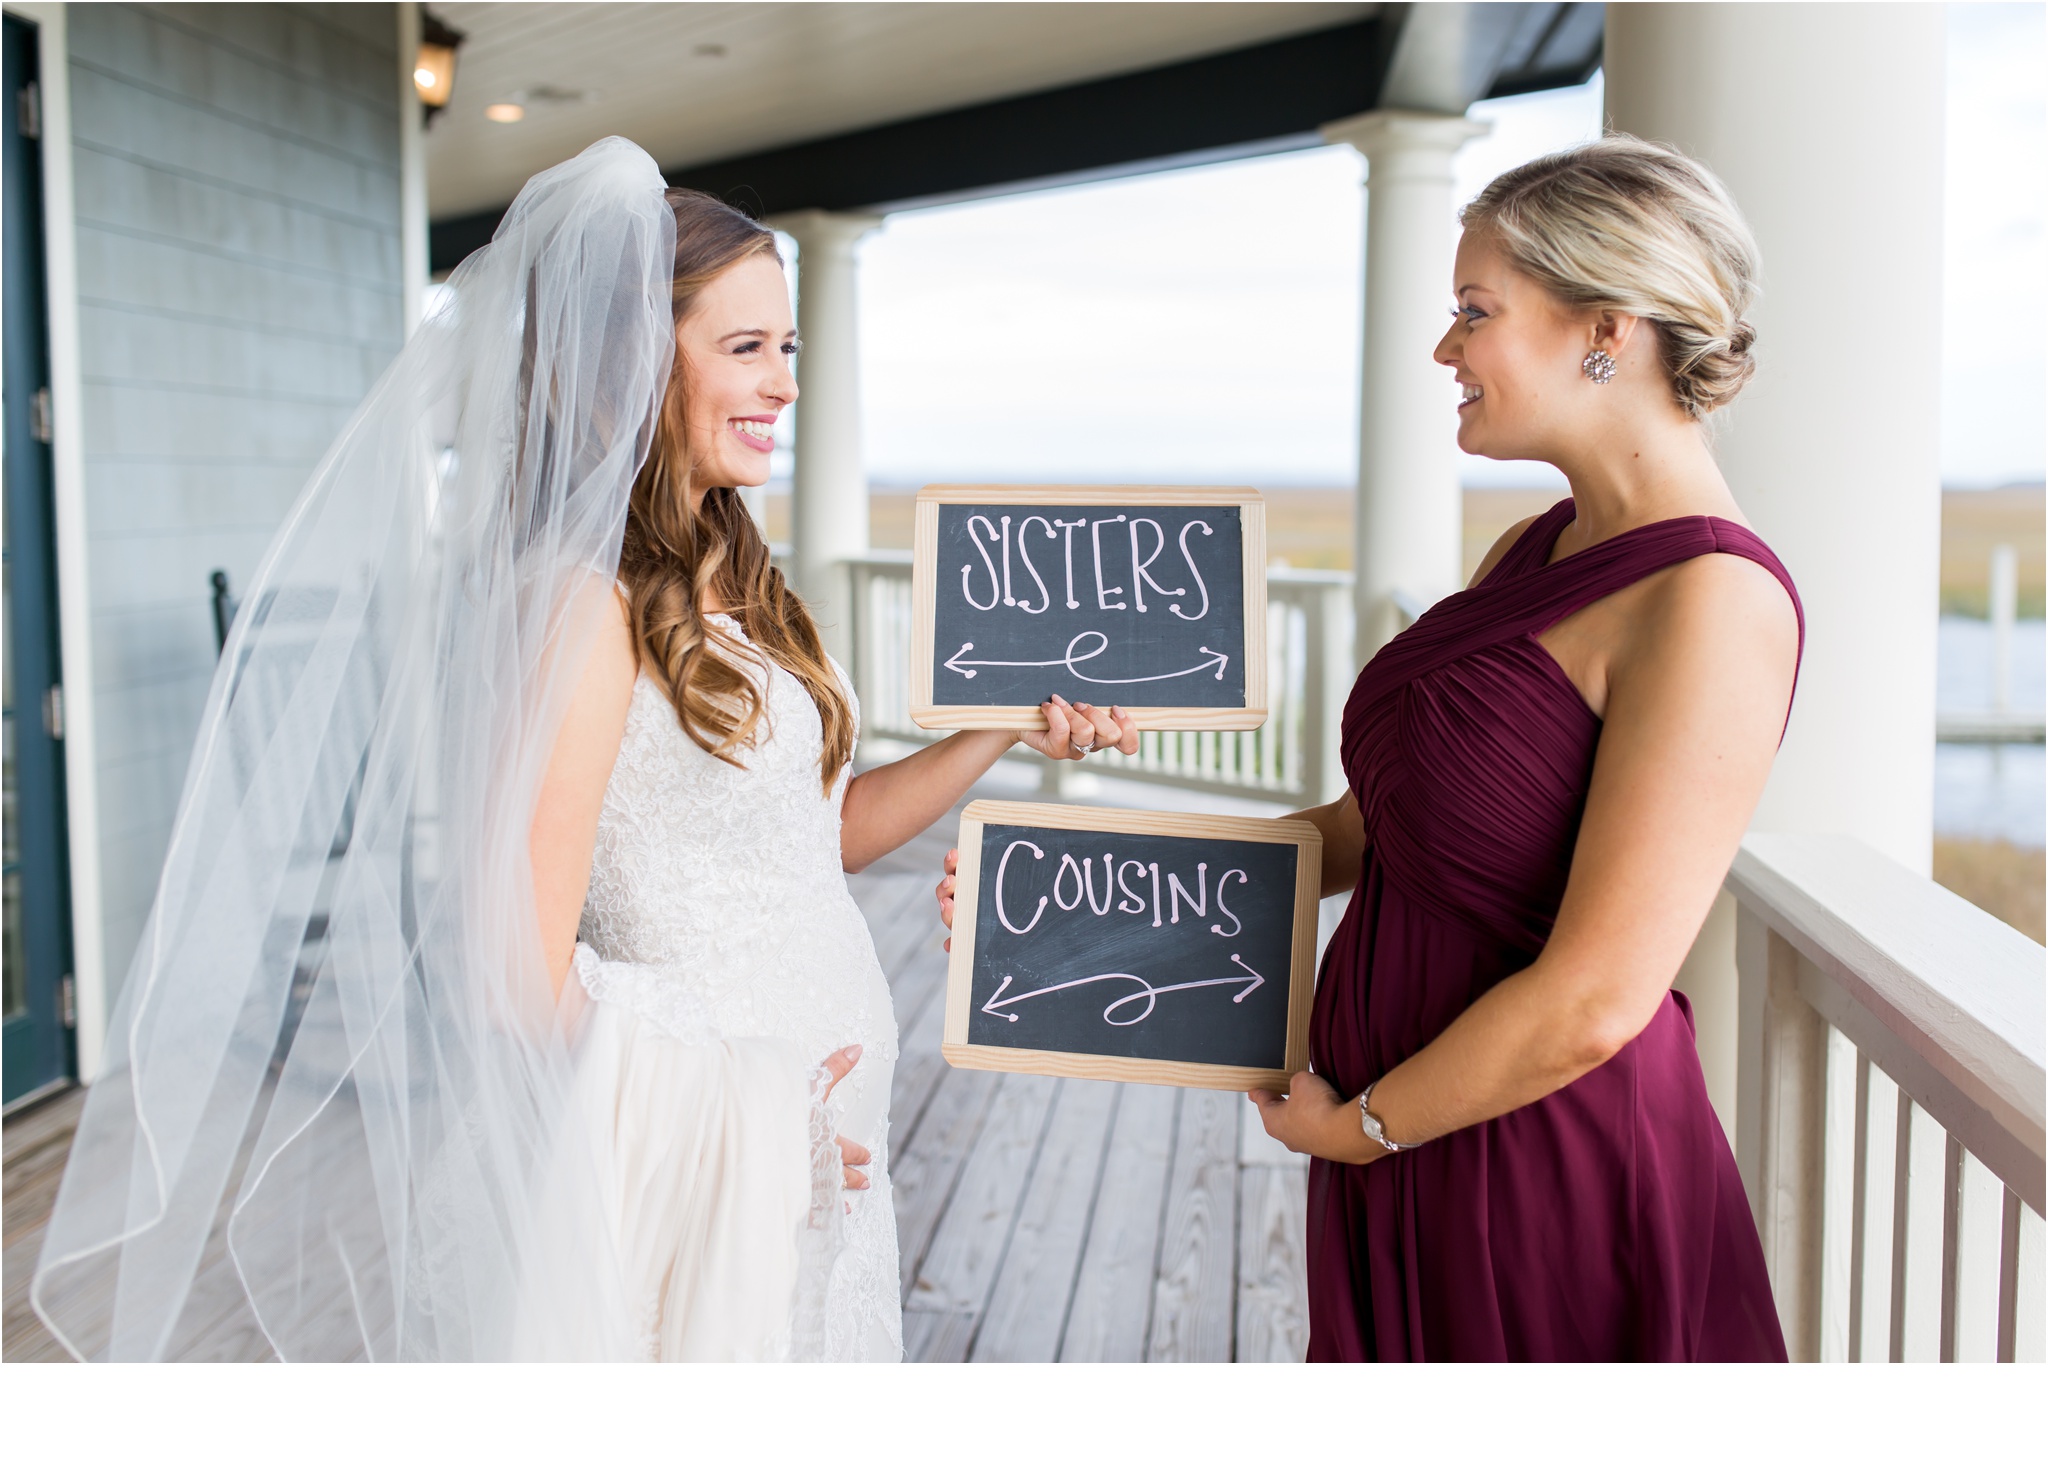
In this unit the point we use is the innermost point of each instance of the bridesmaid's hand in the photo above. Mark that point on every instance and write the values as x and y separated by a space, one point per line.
851 1155
1312 1118
945 892
1076 729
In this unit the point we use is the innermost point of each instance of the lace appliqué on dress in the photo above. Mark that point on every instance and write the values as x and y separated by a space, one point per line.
649 995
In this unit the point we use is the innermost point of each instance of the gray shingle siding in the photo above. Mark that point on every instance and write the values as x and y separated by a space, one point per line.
237 179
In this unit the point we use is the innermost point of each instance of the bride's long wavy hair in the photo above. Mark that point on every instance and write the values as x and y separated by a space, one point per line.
672 556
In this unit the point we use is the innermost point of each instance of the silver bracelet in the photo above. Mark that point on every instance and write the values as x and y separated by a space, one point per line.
1370 1123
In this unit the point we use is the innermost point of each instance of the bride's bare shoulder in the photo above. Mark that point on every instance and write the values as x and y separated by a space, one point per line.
597 632
616 647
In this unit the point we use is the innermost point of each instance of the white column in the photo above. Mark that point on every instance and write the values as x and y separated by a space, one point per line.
1409 521
1834 450
829 502
413 261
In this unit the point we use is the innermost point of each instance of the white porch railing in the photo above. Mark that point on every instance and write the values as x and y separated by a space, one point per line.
1891 1085
1293 759
1889 1113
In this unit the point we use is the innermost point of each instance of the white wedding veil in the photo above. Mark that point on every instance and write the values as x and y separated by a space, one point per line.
336 1064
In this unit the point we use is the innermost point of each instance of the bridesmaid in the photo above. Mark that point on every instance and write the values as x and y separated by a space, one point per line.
1514 1156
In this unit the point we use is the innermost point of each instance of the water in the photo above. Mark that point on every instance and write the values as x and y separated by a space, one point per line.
1962 679
1996 791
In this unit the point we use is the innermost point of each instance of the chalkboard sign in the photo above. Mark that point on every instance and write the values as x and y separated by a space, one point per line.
1149 948
1151 599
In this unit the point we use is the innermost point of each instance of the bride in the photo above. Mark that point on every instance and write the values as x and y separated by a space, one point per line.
503 995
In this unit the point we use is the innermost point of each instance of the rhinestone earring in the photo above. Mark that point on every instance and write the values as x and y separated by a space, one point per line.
1598 367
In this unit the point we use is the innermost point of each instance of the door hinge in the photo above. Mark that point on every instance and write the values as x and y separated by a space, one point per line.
39 415
68 990
53 712
28 111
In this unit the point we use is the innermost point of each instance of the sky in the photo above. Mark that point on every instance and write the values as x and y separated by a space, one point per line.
1201 325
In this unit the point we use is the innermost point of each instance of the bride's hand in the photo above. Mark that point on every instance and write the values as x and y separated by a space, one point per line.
1072 730
851 1155
1076 729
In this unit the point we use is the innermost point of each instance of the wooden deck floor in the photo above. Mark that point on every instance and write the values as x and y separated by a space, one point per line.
1045 1219
1040 1219
37 1143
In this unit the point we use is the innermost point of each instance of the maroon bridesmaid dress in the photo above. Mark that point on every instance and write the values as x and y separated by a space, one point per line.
1606 1221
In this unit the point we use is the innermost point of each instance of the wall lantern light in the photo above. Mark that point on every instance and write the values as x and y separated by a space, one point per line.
433 71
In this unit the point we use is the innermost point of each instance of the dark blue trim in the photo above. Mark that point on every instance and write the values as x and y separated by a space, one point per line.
37 1045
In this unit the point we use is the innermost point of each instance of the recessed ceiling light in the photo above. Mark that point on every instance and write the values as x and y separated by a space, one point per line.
504 112
709 49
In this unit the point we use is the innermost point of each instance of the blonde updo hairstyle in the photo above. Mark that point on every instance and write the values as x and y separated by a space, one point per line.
1627 225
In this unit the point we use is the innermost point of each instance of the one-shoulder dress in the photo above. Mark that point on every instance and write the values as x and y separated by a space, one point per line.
1605 1221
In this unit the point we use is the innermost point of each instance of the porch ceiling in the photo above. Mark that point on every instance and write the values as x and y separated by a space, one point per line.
694 83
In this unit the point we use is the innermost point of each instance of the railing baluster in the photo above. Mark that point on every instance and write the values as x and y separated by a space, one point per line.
1291 766
1880 1157
1917 1247
2030 1334
2009 1277
897 598
1279 687
1902 1188
1838 1195
1951 1243
1977 1258
1781 1125
1859 1206
860 611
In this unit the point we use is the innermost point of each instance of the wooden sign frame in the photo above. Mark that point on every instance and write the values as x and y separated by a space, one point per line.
924 601
1301 977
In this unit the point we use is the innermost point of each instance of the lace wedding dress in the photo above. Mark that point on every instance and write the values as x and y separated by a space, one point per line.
726 958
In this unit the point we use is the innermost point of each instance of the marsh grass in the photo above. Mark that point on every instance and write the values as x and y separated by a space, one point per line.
1310 528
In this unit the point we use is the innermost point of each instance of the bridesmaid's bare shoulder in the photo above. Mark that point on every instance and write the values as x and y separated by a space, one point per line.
1721 616
1501 546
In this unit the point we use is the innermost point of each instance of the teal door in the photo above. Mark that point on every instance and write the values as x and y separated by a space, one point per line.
39 1012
